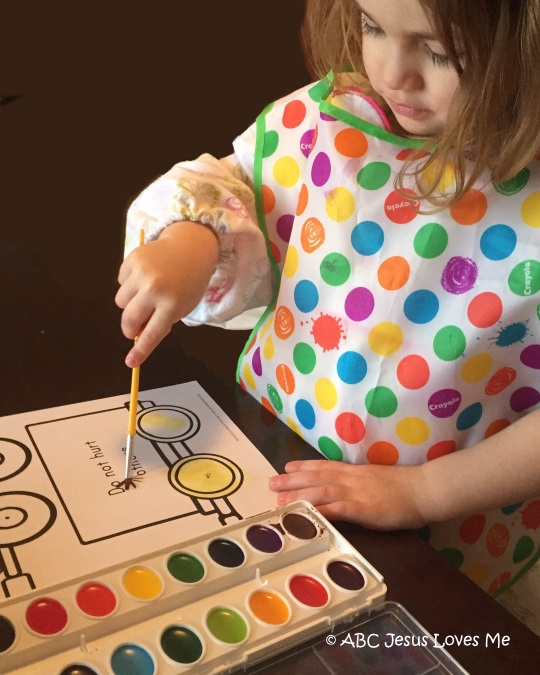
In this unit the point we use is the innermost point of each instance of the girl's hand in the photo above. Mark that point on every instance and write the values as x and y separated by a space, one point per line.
375 496
163 281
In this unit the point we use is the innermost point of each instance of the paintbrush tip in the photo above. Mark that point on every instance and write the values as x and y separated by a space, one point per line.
129 452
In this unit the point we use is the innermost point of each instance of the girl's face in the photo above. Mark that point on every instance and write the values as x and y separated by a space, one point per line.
406 64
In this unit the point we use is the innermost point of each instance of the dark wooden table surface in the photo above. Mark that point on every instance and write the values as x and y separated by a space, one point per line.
58 349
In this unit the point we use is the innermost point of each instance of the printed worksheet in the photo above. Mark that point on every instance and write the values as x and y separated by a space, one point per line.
66 509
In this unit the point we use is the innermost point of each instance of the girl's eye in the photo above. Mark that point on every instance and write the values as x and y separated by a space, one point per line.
440 60
368 29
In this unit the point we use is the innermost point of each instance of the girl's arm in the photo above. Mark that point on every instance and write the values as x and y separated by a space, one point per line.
499 471
205 260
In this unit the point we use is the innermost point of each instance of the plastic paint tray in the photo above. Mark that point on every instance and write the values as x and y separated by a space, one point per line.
217 603
388 641
195 607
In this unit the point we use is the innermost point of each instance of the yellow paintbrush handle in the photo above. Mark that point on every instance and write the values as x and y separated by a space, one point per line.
133 401
134 379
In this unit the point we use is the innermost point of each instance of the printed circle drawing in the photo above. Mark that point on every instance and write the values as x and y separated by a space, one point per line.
206 476
167 423
14 458
12 517
24 516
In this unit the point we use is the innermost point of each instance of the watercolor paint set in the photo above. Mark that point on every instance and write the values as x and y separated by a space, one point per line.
216 603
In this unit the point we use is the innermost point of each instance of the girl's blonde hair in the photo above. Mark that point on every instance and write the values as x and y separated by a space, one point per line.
494 118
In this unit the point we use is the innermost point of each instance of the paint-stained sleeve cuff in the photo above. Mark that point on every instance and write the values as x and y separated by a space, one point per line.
218 193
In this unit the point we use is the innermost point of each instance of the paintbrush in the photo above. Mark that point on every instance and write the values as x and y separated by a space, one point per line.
133 403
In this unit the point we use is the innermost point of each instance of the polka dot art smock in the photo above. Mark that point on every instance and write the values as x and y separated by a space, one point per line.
392 337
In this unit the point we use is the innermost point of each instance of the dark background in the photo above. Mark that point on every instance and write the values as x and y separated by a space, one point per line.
113 95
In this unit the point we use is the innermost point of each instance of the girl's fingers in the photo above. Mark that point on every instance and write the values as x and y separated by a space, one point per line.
156 328
299 480
125 295
316 495
137 313
316 465
335 502
124 271
313 472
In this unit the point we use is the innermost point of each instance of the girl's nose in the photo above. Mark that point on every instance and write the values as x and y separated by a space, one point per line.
401 72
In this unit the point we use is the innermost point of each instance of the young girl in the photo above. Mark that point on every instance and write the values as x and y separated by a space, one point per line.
381 230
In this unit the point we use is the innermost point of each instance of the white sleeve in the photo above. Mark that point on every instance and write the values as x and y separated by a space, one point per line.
218 193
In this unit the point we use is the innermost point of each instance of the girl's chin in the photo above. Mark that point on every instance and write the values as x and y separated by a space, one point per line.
417 127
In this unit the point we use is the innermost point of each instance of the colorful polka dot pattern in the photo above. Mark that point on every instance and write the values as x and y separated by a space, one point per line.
396 337
507 539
